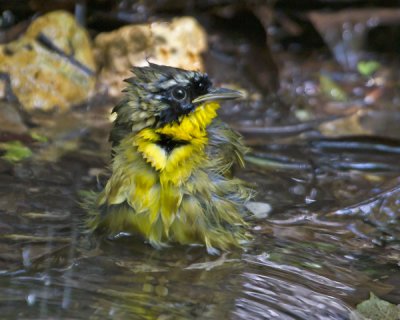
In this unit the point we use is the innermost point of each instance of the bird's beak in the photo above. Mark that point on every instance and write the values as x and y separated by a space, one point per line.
219 94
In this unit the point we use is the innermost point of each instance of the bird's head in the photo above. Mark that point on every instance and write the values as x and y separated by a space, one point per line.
161 96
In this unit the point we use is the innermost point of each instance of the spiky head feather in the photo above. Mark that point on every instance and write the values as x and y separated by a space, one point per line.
155 96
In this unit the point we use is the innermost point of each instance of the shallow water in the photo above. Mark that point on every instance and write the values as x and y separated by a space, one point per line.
331 238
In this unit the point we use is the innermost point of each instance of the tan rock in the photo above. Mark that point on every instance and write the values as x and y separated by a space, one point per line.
10 119
178 43
52 65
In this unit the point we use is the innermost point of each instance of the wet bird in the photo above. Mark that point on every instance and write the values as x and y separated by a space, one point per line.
171 175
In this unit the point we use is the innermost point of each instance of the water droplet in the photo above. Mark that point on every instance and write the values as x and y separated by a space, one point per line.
25 257
31 299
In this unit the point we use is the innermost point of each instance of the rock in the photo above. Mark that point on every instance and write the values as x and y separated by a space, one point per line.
178 43
10 119
260 210
51 66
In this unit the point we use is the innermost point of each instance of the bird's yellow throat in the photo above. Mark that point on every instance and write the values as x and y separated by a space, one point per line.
189 131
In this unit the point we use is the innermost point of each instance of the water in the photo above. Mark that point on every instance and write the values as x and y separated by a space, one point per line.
331 238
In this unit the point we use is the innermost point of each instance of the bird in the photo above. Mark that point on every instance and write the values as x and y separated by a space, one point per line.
171 175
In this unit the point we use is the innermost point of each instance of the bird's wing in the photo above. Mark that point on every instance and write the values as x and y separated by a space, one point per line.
226 146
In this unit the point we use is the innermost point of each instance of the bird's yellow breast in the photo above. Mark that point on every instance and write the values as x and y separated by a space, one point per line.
191 137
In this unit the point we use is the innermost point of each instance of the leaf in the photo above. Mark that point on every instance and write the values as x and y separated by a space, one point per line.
367 68
38 137
331 89
378 309
15 151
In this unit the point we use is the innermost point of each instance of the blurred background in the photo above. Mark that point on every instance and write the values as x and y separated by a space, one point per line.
321 80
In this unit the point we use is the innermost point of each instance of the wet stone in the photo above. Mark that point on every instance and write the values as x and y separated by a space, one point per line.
178 43
51 67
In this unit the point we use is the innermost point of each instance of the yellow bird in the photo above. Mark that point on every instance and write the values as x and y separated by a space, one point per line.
171 179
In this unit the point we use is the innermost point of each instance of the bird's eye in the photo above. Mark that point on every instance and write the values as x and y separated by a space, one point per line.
179 93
